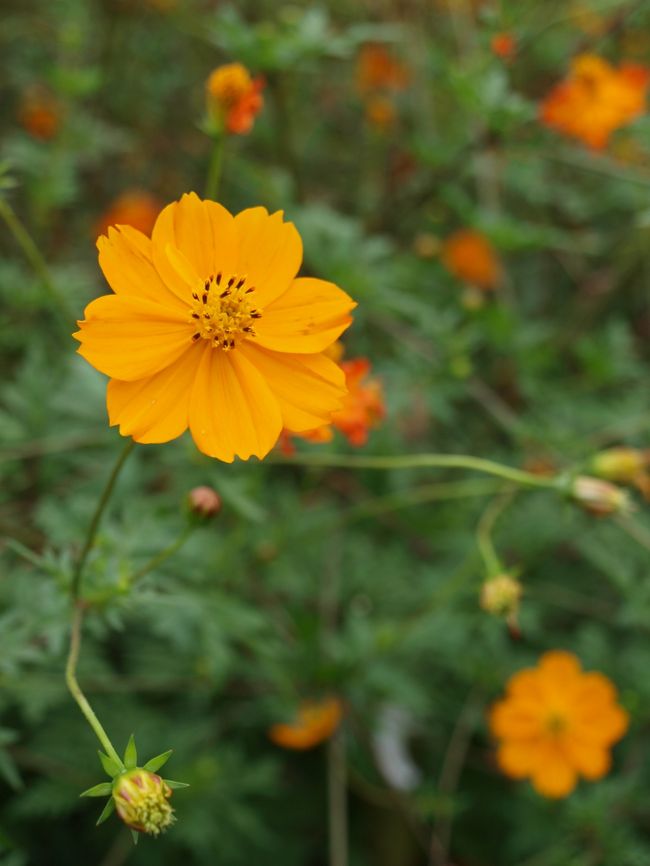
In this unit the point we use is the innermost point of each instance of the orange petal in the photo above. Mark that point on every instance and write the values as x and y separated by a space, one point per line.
232 410
126 259
603 726
308 317
526 684
553 775
270 253
308 388
592 762
517 759
516 719
129 339
203 231
155 409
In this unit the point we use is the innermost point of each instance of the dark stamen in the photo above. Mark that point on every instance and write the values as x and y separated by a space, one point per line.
205 297
240 283
195 337
195 316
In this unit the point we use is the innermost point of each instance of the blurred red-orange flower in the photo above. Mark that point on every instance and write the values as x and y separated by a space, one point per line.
135 207
234 97
557 723
40 114
470 257
596 99
378 69
503 45
314 722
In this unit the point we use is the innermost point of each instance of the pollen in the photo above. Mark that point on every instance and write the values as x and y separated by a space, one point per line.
223 311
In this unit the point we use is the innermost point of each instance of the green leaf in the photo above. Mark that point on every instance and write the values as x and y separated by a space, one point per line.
154 764
131 754
107 811
111 767
100 790
135 836
174 785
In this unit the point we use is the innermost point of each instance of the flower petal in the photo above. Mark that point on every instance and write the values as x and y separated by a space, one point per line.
517 759
592 762
308 317
128 338
553 775
203 231
516 718
155 409
126 259
270 253
308 388
232 411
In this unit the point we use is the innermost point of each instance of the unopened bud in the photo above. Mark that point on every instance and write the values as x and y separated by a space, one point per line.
599 497
500 595
620 464
142 801
204 502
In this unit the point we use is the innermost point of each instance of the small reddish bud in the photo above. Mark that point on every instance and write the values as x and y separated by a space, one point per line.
204 502
599 497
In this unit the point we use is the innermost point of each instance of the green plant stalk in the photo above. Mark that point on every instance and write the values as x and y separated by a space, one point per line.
215 166
75 588
423 461
484 532
75 689
336 801
34 257
156 560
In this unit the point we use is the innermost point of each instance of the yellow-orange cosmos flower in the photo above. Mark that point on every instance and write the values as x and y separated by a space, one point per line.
209 328
557 723
315 722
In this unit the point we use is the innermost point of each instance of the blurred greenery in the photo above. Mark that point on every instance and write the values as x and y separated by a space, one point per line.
316 580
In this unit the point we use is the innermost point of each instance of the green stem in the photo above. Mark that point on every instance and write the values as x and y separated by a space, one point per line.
422 461
156 560
336 799
484 532
214 169
34 257
75 689
77 576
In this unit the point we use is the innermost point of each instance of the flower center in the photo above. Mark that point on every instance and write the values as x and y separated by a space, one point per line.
223 312
555 723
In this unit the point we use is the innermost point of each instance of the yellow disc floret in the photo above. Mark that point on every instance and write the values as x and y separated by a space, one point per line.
222 311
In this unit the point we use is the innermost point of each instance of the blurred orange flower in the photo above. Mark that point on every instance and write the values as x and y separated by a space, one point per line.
469 256
208 328
503 45
362 410
315 722
380 112
557 723
234 97
40 114
596 99
378 69
136 208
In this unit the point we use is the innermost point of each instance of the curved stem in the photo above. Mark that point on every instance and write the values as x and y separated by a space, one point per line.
214 169
75 689
75 588
155 561
33 256
484 534
422 461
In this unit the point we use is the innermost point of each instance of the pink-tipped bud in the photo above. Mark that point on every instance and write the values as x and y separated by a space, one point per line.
599 497
142 801
204 502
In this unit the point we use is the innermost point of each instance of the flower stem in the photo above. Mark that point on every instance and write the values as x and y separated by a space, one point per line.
156 560
34 257
214 169
75 588
336 798
75 689
422 461
484 532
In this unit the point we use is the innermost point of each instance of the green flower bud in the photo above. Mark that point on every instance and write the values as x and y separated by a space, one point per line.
142 801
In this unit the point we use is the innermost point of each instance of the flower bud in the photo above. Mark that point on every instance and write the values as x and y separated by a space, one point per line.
204 502
142 801
500 595
599 497
620 464
234 98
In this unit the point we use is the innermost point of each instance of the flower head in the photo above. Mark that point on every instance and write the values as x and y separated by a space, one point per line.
557 723
378 69
469 256
503 45
234 97
596 99
135 207
209 328
204 502
40 114
500 596
599 497
142 801
315 722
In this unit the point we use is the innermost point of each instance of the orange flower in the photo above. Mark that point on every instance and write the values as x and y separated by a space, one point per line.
596 99
363 408
234 97
469 256
210 329
380 112
135 208
315 722
378 69
40 114
557 723
503 45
